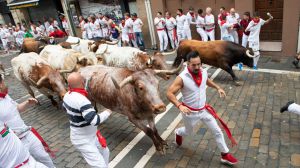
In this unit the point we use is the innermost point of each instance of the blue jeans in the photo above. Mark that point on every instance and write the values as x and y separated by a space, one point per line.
139 39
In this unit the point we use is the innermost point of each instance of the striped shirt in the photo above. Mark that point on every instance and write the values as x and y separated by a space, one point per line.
81 112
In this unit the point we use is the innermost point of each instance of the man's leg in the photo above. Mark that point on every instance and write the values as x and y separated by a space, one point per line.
165 40
161 40
90 152
104 151
235 36
33 163
171 37
212 124
37 150
188 34
255 47
244 40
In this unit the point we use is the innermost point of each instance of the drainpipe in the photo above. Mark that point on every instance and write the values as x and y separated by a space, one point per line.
150 23
68 16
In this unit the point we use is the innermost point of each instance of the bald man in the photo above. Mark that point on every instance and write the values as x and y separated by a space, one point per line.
83 123
233 19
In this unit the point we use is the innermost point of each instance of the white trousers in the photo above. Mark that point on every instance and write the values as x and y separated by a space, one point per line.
4 43
191 120
32 163
211 35
36 149
255 47
235 36
188 33
245 40
173 39
105 32
294 108
181 35
163 40
202 33
93 153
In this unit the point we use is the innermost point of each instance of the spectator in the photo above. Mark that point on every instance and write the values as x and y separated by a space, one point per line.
137 29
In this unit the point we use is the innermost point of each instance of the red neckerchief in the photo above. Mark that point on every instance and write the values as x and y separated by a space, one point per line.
223 22
168 17
3 94
79 90
192 14
199 80
180 14
256 20
123 24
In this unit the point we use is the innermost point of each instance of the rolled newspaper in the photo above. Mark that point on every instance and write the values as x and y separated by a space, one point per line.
270 15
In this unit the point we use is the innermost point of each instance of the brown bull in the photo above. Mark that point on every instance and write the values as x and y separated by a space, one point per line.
132 93
31 70
220 54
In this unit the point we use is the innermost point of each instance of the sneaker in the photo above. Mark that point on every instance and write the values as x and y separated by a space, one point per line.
285 107
255 67
240 65
228 159
178 139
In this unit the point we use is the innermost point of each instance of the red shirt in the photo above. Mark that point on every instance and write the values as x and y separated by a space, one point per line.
244 23
57 34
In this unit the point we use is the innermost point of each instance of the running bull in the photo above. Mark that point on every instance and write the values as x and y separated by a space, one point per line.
132 93
220 54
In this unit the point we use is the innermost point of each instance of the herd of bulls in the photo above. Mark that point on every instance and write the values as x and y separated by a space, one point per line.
122 79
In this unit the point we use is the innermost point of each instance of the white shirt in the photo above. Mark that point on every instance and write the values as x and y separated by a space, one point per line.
224 29
170 23
128 28
190 20
159 23
47 25
65 24
12 150
19 34
255 30
200 21
192 95
42 28
10 115
180 21
3 33
137 25
209 19
233 19
95 30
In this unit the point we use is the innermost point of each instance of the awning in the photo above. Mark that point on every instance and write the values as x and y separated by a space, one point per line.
17 4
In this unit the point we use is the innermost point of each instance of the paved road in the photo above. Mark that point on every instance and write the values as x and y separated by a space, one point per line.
266 137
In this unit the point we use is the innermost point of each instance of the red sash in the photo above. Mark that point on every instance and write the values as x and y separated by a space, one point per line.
46 146
174 35
160 29
131 36
101 139
21 164
212 111
209 30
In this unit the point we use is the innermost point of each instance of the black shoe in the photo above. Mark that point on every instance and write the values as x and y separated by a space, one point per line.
285 107
295 62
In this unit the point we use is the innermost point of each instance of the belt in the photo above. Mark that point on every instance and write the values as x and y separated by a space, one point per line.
20 165
160 29
209 30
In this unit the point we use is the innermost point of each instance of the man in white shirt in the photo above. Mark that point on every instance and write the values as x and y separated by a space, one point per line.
192 83
12 152
137 29
181 20
160 24
210 24
83 123
233 19
171 28
47 25
105 26
254 28
225 28
129 29
3 36
10 114
200 24
19 35
191 19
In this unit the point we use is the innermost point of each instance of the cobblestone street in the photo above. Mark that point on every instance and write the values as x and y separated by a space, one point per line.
266 138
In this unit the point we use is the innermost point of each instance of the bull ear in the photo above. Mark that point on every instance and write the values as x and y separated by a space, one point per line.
82 61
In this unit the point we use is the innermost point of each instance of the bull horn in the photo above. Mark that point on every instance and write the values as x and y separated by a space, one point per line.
249 55
169 72
123 83
169 53
41 46
41 80
112 43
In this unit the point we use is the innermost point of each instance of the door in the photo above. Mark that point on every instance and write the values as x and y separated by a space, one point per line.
273 30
